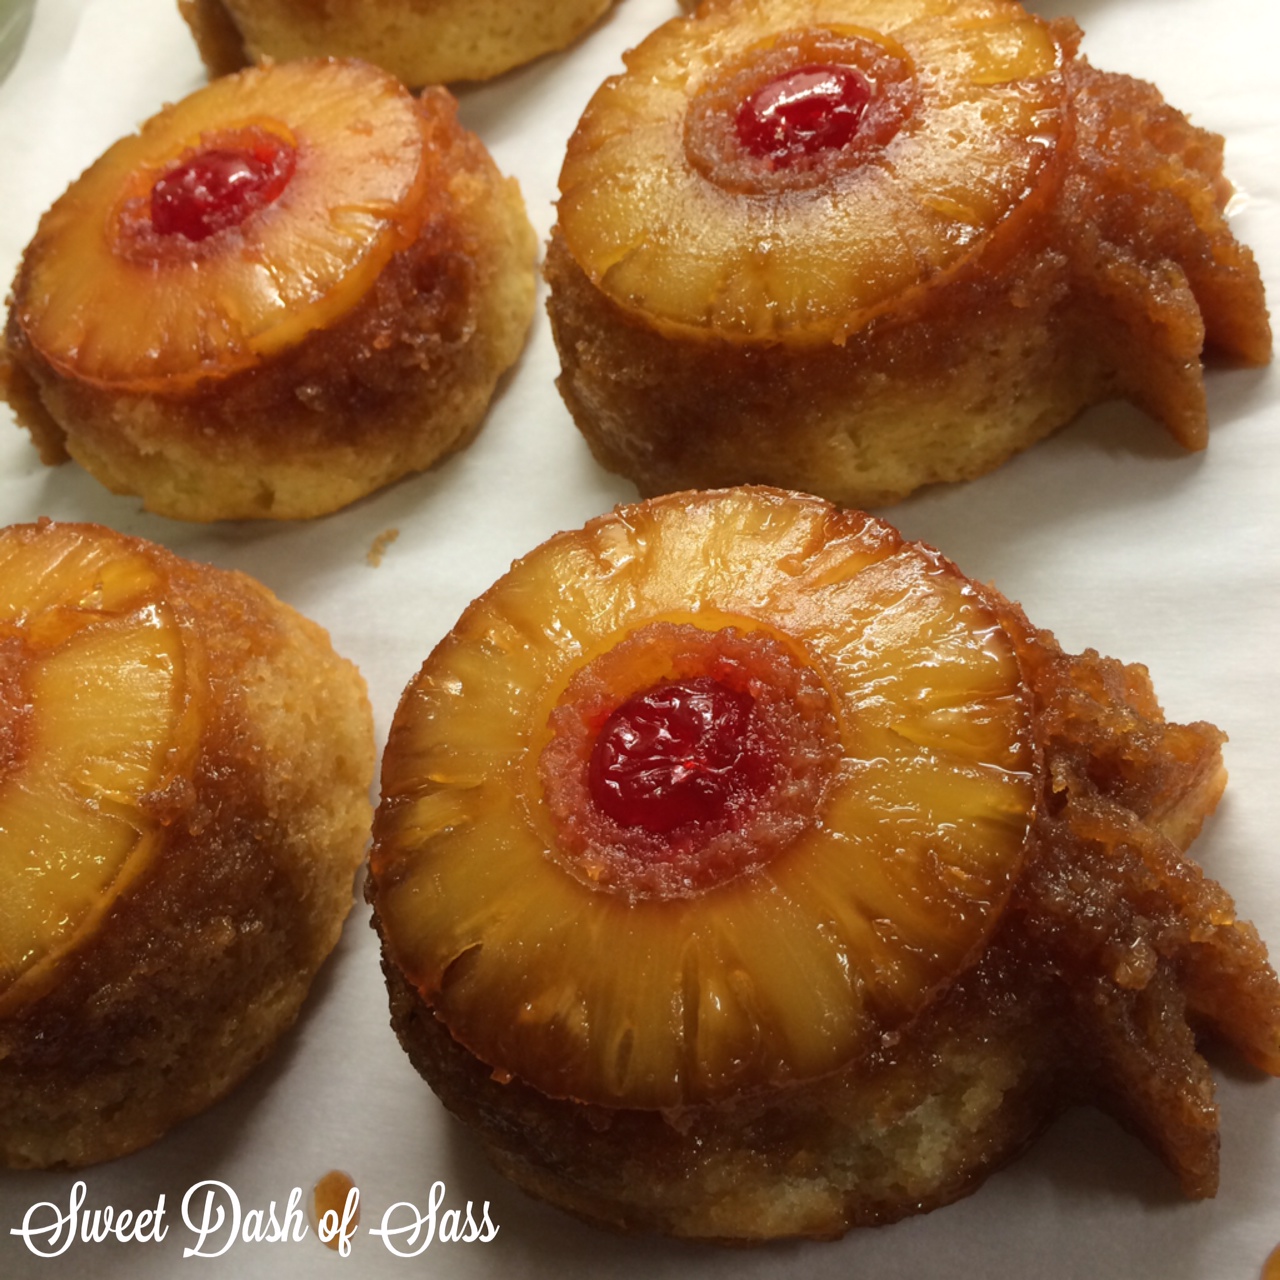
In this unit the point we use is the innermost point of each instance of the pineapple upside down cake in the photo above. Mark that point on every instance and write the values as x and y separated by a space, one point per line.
858 246
184 800
743 871
420 41
291 288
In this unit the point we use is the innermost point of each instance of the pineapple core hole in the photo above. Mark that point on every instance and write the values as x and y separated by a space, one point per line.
220 185
682 758
173 209
803 112
792 112
684 751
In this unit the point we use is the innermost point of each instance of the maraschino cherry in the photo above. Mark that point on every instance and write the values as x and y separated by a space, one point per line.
808 110
681 752
220 187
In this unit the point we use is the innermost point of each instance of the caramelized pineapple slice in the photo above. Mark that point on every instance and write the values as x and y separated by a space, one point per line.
184 773
108 297
660 947
99 720
965 116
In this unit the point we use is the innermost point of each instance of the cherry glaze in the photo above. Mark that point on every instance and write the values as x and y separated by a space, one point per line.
677 753
220 187
808 110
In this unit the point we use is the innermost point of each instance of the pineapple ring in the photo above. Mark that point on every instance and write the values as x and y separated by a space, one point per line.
297 265
184 773
100 654
780 973
660 240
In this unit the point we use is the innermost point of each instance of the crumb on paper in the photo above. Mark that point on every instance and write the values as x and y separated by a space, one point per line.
380 545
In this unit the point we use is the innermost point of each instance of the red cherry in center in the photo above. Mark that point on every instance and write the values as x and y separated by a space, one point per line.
681 752
220 187
810 109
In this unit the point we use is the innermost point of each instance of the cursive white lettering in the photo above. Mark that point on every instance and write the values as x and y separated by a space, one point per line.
213 1213
419 1229
209 1225
330 1227
30 1232
294 1226
48 1232
262 1226
151 1227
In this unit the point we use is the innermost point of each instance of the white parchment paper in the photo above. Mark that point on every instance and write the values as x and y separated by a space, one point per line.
1108 534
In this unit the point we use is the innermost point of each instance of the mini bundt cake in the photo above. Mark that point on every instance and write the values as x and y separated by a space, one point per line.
743 871
856 248
421 41
184 800
295 286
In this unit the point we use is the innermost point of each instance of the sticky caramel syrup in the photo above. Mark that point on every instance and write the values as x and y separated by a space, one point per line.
329 1195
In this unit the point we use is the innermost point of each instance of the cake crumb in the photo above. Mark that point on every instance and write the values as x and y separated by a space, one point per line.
380 545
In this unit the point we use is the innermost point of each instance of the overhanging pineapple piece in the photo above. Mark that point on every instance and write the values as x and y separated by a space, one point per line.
184 771
854 247
744 872
290 288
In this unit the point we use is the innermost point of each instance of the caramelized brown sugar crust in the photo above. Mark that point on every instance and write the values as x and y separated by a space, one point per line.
905 309
347 334
184 800
987 916
420 41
